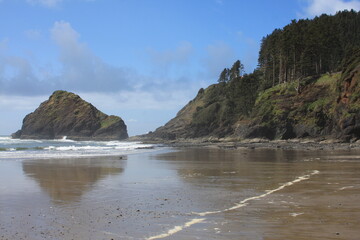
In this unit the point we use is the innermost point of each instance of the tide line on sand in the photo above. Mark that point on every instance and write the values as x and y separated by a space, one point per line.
177 229
241 204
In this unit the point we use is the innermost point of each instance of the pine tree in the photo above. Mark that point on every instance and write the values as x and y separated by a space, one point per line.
236 70
224 76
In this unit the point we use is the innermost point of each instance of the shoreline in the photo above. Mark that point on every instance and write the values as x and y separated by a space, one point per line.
256 143
236 190
327 144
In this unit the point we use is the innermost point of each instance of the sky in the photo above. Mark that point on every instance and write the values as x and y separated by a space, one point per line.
142 60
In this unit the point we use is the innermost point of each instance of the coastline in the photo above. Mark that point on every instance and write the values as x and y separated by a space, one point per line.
160 194
231 144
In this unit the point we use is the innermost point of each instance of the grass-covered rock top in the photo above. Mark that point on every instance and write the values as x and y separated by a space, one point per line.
306 85
66 114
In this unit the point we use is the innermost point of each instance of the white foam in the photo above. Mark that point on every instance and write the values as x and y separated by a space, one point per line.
76 148
64 139
68 148
9 140
244 202
5 138
101 146
177 229
296 214
343 188
241 204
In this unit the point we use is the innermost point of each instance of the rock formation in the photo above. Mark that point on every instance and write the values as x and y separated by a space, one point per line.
327 106
66 114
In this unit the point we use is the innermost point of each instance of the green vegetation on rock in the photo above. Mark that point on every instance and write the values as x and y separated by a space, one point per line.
110 120
307 85
66 114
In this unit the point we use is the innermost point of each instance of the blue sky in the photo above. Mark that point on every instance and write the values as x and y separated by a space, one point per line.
142 60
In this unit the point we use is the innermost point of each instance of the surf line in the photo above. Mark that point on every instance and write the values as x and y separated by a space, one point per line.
241 204
177 229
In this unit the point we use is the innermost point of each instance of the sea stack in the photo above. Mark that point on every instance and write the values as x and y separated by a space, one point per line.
65 114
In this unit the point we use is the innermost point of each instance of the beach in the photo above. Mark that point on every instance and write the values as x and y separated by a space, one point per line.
183 193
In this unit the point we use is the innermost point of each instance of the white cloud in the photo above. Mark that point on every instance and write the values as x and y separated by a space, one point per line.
3 44
33 34
318 7
49 3
160 99
165 61
219 56
17 75
221 2
250 51
46 3
81 68
13 108
20 103
111 89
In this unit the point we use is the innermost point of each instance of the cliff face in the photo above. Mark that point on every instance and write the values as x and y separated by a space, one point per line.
306 85
348 102
318 106
328 105
66 114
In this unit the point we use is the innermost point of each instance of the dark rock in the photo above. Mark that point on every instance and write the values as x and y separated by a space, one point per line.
16 134
286 132
260 132
327 106
66 114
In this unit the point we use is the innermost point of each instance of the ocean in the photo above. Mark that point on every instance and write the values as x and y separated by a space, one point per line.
20 149
63 189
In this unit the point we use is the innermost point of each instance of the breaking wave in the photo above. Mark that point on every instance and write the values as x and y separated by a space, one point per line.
63 148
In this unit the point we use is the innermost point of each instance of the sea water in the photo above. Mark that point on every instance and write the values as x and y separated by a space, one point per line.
64 148
175 193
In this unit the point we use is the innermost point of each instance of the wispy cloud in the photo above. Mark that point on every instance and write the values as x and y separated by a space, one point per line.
20 103
219 56
318 7
46 3
113 89
33 34
3 44
50 3
179 55
221 2
165 61
80 68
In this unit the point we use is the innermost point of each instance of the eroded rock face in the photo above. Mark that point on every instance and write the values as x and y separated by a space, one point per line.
327 106
66 114
348 109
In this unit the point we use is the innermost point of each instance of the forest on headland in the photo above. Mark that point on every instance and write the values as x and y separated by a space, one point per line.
305 85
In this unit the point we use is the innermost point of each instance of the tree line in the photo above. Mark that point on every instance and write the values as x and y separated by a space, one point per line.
302 48
309 47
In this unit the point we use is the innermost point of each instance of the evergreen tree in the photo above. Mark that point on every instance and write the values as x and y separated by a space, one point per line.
224 76
308 47
236 70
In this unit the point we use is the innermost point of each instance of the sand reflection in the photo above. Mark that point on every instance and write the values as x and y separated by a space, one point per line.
66 180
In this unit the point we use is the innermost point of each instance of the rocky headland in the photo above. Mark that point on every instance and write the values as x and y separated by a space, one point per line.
65 114
327 107
294 94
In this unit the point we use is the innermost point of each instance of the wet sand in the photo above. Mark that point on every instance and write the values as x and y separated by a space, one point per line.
184 193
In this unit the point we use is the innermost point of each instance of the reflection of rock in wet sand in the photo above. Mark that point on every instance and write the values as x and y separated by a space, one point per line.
235 169
66 180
